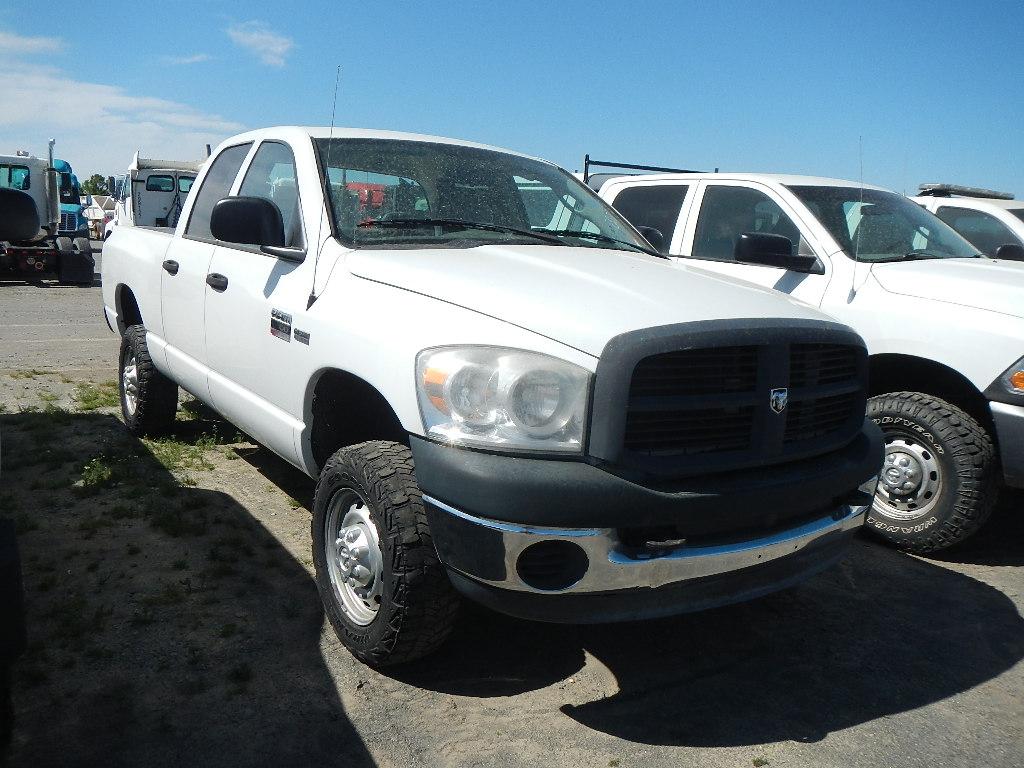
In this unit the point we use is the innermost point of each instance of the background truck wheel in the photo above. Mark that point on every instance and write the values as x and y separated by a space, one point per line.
82 245
64 244
149 399
939 481
385 592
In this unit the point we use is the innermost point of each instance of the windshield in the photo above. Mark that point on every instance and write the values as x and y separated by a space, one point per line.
873 225
1018 212
68 190
423 194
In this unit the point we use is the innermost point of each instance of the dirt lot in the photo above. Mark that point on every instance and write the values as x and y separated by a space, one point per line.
174 621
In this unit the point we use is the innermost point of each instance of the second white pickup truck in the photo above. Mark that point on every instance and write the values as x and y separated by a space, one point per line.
502 391
944 325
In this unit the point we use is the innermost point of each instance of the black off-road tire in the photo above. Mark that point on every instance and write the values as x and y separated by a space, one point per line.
968 467
418 606
157 398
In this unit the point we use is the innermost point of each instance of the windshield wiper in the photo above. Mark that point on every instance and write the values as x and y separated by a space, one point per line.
604 239
457 224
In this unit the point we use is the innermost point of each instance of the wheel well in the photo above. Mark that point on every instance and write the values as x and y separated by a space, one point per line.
894 373
347 410
128 312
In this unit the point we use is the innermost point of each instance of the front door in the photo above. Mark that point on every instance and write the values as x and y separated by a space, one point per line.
728 210
251 324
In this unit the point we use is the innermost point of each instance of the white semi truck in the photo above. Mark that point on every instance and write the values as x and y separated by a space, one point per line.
47 252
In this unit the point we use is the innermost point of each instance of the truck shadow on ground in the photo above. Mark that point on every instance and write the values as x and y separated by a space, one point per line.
880 634
167 626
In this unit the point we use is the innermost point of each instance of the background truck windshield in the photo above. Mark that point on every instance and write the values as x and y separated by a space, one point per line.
874 225
14 177
373 183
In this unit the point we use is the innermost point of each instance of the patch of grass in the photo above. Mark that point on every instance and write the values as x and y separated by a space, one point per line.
92 397
759 762
228 630
73 618
177 523
91 525
294 503
97 473
178 455
180 565
47 396
28 373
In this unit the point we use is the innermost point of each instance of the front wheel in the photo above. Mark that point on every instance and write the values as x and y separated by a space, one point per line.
149 399
939 482
385 592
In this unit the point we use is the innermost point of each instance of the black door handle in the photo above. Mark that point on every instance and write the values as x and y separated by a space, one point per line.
216 281
171 267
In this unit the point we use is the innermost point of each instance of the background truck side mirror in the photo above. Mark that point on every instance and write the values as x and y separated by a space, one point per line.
774 251
654 237
248 221
19 219
1010 252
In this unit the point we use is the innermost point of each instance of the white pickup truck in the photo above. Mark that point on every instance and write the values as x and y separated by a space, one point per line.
993 222
944 325
502 392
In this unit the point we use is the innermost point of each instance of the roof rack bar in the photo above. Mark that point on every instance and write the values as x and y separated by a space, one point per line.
947 190
587 163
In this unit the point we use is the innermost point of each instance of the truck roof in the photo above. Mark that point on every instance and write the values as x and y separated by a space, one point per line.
295 133
790 180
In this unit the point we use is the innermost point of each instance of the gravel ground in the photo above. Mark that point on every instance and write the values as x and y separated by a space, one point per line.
174 620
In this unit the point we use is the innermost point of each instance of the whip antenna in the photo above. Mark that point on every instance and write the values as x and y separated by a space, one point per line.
327 180
856 239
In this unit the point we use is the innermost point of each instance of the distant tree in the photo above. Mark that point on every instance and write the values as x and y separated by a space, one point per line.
95 185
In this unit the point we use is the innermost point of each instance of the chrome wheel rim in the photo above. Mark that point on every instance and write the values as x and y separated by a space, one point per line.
911 480
130 384
354 558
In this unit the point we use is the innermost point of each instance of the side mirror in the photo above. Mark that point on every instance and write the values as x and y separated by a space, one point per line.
773 251
19 219
1010 252
654 237
248 221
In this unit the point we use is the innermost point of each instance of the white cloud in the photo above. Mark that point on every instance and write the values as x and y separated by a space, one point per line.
11 44
98 127
195 58
257 37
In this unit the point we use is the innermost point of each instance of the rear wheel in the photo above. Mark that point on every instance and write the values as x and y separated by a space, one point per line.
939 481
384 590
149 399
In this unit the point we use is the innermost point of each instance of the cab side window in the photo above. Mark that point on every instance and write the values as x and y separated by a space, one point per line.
984 231
653 206
215 188
728 212
272 177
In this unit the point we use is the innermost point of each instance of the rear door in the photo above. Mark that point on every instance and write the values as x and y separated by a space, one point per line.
183 284
652 204
253 325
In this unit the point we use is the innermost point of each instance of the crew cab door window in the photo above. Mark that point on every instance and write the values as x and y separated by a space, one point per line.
726 212
271 175
983 230
653 206
215 187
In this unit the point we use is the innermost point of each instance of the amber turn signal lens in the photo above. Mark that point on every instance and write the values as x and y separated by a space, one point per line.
1017 380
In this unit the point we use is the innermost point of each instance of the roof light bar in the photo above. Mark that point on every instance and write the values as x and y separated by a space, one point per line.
947 190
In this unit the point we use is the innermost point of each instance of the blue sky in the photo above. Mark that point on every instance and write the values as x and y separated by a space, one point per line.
933 88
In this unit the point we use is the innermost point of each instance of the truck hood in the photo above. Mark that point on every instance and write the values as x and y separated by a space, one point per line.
997 286
581 297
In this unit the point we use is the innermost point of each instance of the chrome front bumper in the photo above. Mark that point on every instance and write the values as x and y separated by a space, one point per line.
611 567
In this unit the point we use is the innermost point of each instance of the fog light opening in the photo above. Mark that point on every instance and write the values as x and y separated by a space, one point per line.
552 565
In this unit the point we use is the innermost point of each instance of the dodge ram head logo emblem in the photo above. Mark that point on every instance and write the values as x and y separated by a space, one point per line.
779 398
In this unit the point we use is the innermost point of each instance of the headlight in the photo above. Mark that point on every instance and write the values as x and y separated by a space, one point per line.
1013 379
493 397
